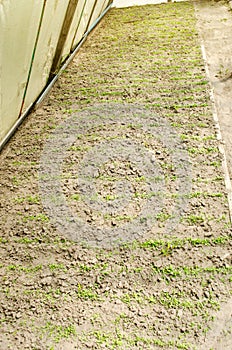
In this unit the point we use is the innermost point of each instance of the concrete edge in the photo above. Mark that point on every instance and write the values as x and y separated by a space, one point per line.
221 146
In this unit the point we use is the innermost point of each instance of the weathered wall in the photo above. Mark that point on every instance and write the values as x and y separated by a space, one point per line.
35 37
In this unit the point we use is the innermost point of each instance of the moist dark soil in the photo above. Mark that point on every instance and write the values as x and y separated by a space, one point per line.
115 222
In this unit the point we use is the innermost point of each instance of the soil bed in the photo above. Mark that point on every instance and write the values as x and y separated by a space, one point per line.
114 218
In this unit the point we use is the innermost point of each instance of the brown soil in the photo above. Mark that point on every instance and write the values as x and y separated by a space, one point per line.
114 213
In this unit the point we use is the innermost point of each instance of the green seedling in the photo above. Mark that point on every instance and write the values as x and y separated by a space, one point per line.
79 148
38 217
20 268
29 199
86 293
59 332
194 219
76 197
202 150
53 267
162 217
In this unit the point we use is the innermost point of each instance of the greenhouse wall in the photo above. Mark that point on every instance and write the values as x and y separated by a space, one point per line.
36 36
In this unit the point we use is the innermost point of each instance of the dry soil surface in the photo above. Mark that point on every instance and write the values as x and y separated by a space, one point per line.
115 230
214 25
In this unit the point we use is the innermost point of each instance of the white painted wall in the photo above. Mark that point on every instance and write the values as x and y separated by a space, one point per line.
45 51
27 49
19 22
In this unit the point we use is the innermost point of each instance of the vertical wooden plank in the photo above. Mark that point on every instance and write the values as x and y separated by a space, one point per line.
91 14
63 35
99 9
53 19
33 56
77 27
19 22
